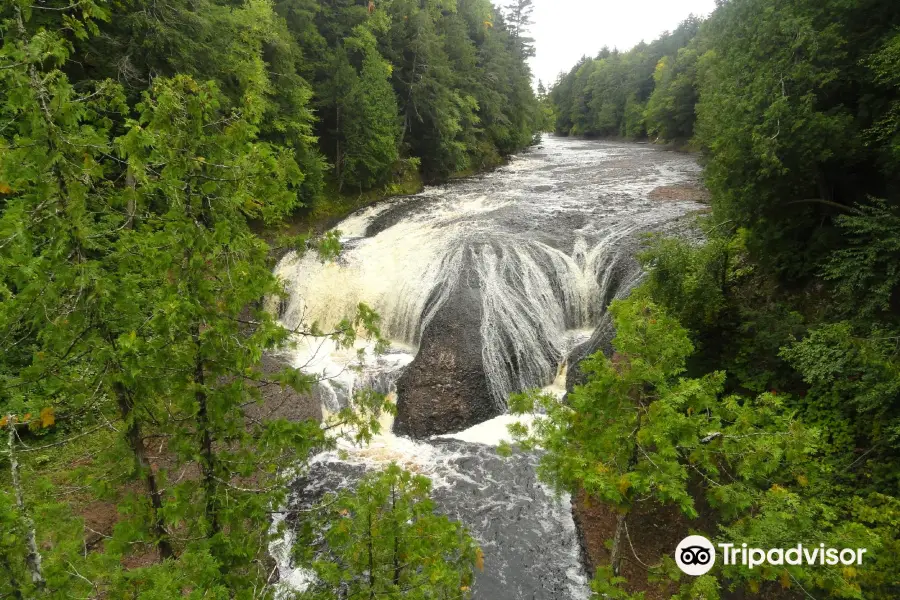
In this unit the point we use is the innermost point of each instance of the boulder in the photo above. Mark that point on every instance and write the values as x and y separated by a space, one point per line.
445 389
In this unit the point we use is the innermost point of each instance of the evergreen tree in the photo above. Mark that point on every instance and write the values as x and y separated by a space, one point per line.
131 284
671 108
368 128
384 540
612 93
518 14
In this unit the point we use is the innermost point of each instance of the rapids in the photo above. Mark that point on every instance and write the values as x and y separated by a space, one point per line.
486 287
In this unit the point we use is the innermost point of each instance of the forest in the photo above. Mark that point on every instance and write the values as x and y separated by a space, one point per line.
143 147
755 386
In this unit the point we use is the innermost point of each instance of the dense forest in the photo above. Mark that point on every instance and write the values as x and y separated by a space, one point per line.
649 90
755 385
142 146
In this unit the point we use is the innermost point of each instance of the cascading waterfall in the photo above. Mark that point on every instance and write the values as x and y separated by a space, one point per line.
499 281
506 235
534 296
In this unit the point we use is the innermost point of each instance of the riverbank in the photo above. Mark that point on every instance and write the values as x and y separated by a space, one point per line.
334 206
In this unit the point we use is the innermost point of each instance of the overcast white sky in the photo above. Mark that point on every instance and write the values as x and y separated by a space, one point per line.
566 30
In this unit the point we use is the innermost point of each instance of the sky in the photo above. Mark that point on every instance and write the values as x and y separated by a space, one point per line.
566 30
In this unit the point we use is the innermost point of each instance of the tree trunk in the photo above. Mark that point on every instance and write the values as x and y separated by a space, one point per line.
133 426
206 446
412 81
32 557
397 566
339 159
136 443
371 557
615 555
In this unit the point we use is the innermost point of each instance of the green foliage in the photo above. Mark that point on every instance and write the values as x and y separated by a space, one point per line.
239 46
793 292
650 89
706 587
885 131
727 303
16 579
371 131
651 349
854 384
689 279
881 513
867 270
460 92
844 378
547 114
199 175
786 114
384 539
608 585
670 110
364 106
638 431
132 287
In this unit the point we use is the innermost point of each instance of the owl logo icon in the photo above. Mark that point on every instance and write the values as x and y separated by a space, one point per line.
695 555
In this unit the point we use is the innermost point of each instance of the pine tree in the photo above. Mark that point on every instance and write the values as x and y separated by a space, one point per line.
519 16
368 130
384 540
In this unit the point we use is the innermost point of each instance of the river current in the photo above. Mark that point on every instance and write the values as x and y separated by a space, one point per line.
540 247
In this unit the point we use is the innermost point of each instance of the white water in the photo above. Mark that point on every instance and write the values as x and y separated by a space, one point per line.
546 241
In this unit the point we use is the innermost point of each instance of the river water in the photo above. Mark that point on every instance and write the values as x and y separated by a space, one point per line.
520 265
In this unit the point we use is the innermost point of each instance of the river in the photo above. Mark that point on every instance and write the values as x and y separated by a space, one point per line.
486 286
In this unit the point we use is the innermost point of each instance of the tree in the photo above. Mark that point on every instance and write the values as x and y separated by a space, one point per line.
141 146
611 94
671 108
368 131
519 16
788 92
461 87
55 221
132 285
212 41
384 540
637 431
435 114
200 176
20 521
547 112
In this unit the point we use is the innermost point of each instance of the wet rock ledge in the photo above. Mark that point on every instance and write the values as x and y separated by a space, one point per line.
445 390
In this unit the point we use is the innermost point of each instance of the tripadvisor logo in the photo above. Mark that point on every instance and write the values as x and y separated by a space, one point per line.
696 555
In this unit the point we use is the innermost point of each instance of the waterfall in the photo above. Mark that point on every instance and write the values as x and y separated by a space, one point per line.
533 295
485 287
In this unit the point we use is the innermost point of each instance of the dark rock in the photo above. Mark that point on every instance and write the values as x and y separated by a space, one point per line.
445 390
